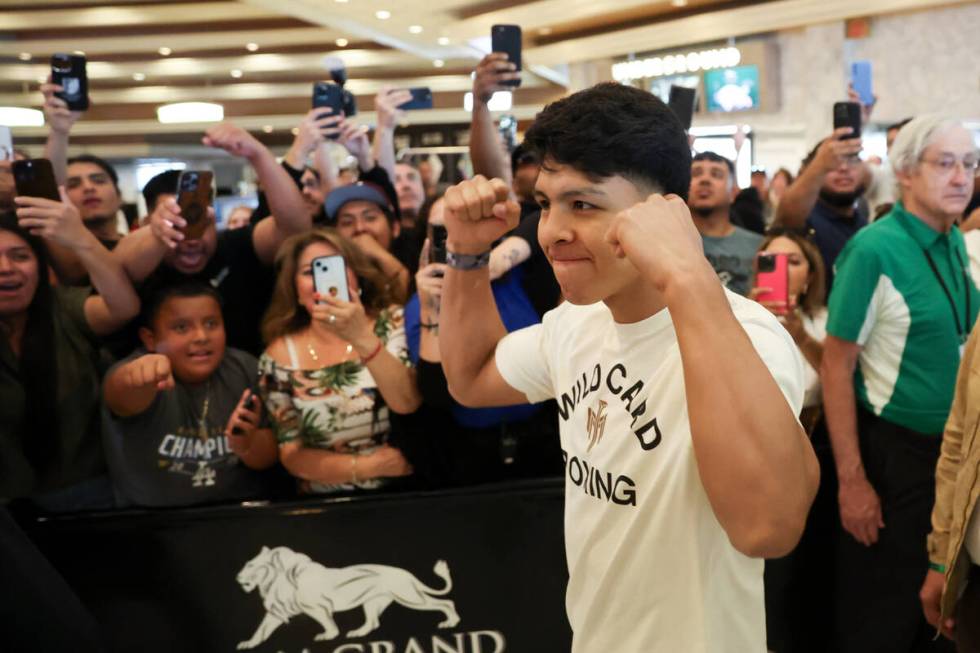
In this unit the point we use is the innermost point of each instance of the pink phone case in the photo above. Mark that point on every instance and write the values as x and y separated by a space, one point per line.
776 280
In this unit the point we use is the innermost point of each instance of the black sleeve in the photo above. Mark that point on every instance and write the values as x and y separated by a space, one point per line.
433 385
527 229
378 175
747 211
262 210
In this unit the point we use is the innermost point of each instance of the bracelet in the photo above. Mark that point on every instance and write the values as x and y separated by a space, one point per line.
353 468
370 357
935 566
429 325
468 262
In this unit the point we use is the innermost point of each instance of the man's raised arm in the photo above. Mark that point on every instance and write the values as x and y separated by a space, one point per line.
478 212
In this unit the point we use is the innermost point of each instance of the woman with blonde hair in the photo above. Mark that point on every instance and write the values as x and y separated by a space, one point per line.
333 369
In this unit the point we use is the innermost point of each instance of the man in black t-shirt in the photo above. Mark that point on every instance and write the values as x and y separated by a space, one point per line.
237 263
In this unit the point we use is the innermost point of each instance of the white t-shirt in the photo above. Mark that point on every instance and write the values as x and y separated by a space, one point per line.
651 569
816 328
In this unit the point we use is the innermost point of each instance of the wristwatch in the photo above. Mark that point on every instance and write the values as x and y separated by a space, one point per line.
467 262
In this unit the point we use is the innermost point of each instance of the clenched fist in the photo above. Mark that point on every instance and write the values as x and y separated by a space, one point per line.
478 212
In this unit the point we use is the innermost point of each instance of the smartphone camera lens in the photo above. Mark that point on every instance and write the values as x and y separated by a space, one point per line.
767 263
61 64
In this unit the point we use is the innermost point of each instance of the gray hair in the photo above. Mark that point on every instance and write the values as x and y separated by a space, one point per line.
913 139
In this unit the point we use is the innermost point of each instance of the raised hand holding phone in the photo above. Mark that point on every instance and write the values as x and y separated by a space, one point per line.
244 419
68 72
772 282
507 39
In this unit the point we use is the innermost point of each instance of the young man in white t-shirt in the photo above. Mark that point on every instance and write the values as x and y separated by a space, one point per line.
685 463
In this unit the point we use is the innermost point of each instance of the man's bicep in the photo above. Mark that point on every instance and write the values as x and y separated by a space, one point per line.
491 389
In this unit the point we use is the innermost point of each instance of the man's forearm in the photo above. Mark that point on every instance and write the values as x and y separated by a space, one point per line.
285 201
469 329
757 467
108 278
139 253
800 198
56 151
383 149
486 151
840 408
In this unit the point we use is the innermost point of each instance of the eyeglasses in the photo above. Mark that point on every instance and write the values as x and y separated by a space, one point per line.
947 164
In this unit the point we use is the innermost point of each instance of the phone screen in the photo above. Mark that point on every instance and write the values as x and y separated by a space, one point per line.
507 38
330 277
68 71
681 102
421 99
437 244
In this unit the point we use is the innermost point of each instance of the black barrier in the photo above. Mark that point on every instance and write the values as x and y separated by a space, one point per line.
479 570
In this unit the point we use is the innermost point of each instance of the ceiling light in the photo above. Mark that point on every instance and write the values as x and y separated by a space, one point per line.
443 40
341 1
24 56
236 73
679 3
20 117
165 51
190 112
382 14
267 129
499 101
415 29
544 31
139 77
251 47
294 131
341 43
438 63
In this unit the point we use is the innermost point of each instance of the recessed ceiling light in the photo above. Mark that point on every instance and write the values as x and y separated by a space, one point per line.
382 14
679 3
24 56
236 73
415 29
341 43
294 131
21 117
341 1
267 129
443 40
251 47
190 112
544 31
438 63
165 51
139 77
40 80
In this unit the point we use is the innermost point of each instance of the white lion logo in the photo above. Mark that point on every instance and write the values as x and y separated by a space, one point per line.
290 584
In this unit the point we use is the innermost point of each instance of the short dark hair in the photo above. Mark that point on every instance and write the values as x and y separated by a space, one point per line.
522 156
100 162
161 184
612 129
186 288
717 158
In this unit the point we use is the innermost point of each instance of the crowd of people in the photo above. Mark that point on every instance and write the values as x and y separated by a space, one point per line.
154 369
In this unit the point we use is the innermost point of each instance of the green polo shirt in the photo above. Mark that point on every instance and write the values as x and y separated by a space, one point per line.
887 299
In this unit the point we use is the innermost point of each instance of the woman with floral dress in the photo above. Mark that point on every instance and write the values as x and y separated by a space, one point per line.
333 369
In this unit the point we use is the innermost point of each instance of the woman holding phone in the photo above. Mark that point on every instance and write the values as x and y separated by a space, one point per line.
333 369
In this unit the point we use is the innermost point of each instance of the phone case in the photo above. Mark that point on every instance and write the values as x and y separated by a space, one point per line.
328 94
421 99
773 273
35 178
330 277
194 198
848 114
861 81
437 244
681 101
6 144
68 71
507 38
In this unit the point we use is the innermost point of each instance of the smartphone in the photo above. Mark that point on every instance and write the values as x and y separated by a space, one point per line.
848 114
437 243
6 144
194 198
35 178
772 272
330 277
507 38
421 99
682 101
861 81
68 71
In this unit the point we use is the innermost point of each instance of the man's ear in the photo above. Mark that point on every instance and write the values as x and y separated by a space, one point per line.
148 339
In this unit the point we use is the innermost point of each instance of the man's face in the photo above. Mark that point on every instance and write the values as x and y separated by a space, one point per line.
524 178
761 183
312 192
91 190
362 217
845 179
710 187
191 255
576 212
190 332
938 183
408 185
18 274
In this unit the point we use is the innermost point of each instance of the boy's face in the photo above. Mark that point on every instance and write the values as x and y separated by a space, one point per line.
576 212
191 333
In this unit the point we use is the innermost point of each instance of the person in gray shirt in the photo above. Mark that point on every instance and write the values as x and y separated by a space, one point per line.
730 249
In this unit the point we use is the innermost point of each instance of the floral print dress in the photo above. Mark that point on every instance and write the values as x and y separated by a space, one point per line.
337 408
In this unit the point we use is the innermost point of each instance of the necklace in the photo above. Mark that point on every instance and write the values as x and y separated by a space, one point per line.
202 423
313 354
